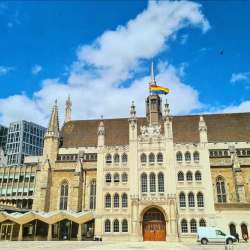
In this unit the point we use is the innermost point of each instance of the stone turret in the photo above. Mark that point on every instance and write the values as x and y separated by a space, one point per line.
168 122
153 102
68 106
132 123
50 151
202 130
101 133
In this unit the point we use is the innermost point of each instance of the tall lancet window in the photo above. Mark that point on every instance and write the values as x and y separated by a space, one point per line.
221 190
64 196
92 199
153 105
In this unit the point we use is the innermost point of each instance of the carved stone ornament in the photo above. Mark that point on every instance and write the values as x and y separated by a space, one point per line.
150 131
118 147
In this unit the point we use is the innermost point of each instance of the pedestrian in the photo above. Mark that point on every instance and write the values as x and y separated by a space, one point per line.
245 237
237 237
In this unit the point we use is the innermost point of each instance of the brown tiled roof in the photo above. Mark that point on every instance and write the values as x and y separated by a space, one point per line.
221 127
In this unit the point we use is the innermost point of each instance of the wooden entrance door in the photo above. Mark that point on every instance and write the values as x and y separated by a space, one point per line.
154 225
154 231
6 231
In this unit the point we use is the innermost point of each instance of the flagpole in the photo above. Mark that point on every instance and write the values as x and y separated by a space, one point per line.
149 108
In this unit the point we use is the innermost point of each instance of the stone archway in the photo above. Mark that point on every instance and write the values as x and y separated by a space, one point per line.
153 224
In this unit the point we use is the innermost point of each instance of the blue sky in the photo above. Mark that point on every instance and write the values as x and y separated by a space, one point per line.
100 53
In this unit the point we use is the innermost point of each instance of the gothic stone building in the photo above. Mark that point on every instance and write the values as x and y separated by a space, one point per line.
132 180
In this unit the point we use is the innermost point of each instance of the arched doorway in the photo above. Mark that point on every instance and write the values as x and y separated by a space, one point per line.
244 229
232 229
154 225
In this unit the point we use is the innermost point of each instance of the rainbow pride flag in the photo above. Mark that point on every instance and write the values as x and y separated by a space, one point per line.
158 90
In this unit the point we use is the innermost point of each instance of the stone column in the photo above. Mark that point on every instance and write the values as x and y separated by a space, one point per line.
134 215
20 235
49 237
79 235
173 217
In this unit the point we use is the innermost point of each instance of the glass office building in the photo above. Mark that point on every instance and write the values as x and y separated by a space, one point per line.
24 139
3 137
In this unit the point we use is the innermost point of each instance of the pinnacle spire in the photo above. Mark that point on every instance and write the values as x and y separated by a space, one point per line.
101 129
202 124
133 112
152 75
53 125
68 106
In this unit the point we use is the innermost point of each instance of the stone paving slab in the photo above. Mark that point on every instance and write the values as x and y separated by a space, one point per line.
236 246
92 245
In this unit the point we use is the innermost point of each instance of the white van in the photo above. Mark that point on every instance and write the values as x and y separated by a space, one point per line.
214 235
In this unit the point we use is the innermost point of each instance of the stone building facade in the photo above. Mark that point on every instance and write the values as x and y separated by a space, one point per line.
153 178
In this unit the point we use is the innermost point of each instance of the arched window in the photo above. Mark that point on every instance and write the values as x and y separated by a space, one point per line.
116 178
108 159
116 158
202 223
124 178
107 226
184 227
116 201
221 191
220 153
159 158
144 185
179 157
248 152
152 183
200 200
151 158
161 183
196 156
108 201
64 196
92 202
225 153
193 226
143 158
215 153
116 226
189 176
211 153
124 158
187 156
198 176
238 152
124 201
191 202
244 152
108 178
124 226
182 198
180 176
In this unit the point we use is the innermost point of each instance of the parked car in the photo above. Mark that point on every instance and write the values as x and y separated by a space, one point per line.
214 235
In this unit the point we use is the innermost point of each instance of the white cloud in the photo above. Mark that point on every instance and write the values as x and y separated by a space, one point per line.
18 107
184 38
9 24
242 107
4 70
36 69
103 80
240 77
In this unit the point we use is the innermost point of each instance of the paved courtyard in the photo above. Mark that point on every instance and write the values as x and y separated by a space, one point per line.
68 245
